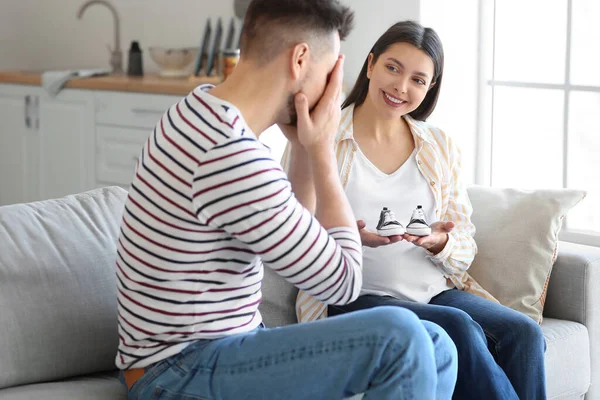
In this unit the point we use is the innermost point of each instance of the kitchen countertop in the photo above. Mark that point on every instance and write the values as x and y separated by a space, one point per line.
120 83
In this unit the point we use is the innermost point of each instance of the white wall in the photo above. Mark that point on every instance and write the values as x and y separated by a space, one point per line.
17 33
372 18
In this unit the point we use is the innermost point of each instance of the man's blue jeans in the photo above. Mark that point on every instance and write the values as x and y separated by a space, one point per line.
386 353
500 351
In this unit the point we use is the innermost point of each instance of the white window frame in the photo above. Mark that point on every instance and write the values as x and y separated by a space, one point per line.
484 140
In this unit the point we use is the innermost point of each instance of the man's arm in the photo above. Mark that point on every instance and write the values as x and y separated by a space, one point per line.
316 134
239 189
297 165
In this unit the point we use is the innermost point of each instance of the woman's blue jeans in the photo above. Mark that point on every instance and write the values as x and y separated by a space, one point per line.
500 351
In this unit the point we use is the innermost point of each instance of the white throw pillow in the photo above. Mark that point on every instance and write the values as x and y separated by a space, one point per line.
517 237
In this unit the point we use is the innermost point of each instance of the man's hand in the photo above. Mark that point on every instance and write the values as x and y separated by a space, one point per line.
323 116
317 129
434 242
371 239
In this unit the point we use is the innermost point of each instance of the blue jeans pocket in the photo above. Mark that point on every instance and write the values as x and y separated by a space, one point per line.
160 393
188 358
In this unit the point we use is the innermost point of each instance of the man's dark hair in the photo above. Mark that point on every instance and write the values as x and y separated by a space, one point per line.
270 26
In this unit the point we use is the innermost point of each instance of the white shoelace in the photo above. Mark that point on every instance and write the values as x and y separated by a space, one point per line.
418 215
389 217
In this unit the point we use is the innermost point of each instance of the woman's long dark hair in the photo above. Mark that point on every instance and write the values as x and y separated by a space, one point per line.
422 38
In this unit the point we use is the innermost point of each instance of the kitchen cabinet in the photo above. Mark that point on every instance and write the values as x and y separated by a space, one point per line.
65 136
79 140
124 122
46 144
17 158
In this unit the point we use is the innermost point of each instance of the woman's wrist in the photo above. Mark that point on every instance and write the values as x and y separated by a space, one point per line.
437 248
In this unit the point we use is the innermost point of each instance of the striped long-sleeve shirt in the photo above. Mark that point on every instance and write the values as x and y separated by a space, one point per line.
439 160
206 208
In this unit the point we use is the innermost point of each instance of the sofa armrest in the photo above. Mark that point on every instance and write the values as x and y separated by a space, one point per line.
573 291
574 295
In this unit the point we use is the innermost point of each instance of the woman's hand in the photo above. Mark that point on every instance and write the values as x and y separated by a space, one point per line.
372 239
434 242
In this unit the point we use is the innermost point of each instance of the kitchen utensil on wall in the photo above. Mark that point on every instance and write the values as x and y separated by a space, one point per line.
203 51
216 49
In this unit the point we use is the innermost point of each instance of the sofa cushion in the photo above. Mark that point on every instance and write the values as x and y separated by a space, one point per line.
94 387
279 298
567 359
517 237
57 287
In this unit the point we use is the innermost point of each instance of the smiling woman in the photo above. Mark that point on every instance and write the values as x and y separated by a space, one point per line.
405 35
401 84
386 149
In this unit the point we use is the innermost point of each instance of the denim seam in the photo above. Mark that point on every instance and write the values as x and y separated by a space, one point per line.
292 355
159 390
149 376
491 337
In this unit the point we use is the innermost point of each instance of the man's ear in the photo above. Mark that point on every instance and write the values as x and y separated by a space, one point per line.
370 65
299 61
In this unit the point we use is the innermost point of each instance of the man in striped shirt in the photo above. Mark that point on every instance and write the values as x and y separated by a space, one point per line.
208 207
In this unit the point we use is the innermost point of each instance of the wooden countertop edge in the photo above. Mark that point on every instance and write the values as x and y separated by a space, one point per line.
119 83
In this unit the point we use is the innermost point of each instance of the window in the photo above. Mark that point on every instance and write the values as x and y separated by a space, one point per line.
542 99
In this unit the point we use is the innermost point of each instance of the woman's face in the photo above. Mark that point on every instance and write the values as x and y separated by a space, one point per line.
399 79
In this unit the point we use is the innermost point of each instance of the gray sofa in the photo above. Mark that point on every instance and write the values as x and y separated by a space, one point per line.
58 304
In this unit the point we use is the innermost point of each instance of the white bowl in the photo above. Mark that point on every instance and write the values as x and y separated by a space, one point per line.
173 62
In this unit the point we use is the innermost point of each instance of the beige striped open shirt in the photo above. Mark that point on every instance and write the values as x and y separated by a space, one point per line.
439 160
